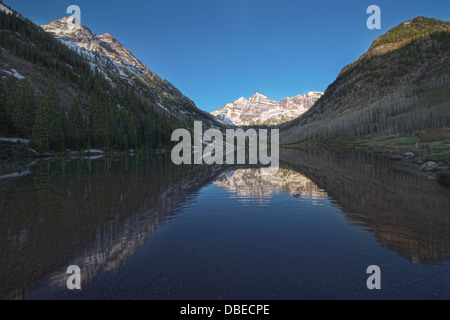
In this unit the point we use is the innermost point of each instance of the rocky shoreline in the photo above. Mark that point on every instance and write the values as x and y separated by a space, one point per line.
432 165
433 160
17 155
426 166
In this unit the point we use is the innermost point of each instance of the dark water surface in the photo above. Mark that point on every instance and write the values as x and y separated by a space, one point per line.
142 228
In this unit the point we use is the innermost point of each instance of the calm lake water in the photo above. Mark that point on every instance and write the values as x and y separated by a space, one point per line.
142 228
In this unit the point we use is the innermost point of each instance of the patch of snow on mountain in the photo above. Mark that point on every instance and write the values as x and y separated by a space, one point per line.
5 9
14 73
15 140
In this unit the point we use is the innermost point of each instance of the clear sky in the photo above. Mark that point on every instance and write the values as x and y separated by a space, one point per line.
216 51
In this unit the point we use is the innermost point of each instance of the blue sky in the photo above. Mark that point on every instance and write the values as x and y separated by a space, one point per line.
217 51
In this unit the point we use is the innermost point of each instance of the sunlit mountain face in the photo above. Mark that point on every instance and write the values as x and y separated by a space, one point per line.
259 109
250 186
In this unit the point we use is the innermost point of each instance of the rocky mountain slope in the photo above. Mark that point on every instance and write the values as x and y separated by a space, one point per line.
107 54
401 85
101 95
260 110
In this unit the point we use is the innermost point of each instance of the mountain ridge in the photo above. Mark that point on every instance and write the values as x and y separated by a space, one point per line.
402 89
399 36
99 94
260 110
107 46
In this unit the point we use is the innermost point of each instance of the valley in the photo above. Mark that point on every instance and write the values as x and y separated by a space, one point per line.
156 191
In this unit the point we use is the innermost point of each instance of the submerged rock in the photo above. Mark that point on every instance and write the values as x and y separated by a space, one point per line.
420 161
443 178
395 157
429 166
430 175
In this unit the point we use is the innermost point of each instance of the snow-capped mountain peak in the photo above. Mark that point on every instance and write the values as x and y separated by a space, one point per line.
104 45
259 109
108 55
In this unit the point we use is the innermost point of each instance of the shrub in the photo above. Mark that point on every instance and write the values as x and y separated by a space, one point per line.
433 135
384 138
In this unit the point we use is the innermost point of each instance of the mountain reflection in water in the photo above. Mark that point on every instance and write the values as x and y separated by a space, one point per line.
406 212
94 214
250 186
98 213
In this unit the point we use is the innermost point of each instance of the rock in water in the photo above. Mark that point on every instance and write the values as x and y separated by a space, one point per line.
420 161
429 166
443 178
395 157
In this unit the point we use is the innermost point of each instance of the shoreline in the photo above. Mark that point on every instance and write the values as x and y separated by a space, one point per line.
432 158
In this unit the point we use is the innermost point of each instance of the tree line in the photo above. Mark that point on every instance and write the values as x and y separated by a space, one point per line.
104 114
101 122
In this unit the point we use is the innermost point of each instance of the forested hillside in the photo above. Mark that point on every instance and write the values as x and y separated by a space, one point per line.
53 95
400 86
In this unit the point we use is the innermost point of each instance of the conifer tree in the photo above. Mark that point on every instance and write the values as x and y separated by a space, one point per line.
10 102
23 113
48 124
75 124
3 114
101 119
